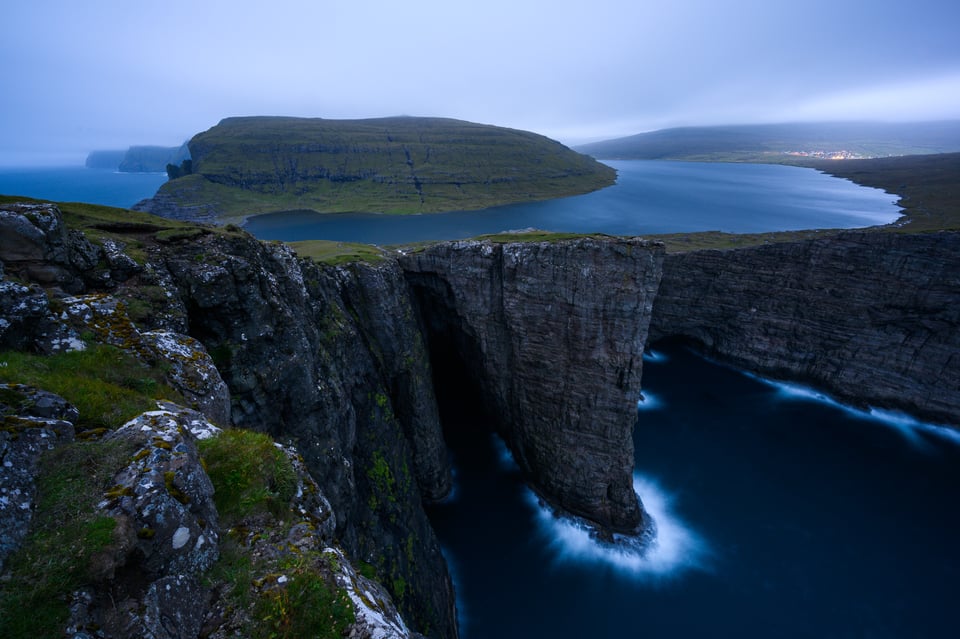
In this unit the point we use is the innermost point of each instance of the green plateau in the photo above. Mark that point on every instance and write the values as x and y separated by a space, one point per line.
401 165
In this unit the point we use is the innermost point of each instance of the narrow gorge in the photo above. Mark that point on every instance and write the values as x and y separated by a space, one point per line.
343 362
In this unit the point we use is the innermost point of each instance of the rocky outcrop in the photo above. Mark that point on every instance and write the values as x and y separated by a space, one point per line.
147 584
309 357
301 358
870 317
33 422
551 335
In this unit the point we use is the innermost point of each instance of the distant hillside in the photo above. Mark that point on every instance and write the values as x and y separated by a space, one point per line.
253 165
138 159
152 159
783 142
104 159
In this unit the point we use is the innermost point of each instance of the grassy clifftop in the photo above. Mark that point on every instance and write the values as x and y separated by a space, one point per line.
251 165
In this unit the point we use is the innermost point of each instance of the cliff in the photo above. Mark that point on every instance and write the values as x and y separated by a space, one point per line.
138 159
550 337
104 312
250 165
152 159
870 317
104 159
336 360
350 388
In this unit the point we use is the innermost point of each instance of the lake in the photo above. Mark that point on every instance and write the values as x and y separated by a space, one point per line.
780 514
649 197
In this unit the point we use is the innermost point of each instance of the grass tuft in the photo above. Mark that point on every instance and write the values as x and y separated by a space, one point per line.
107 385
250 475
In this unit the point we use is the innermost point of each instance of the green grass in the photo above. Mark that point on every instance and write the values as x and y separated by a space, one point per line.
333 253
246 166
107 385
307 605
60 554
135 230
535 236
250 475
929 187
254 483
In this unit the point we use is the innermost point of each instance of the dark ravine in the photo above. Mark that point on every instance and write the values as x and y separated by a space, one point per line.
336 360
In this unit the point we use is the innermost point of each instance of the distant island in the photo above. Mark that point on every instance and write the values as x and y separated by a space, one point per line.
139 159
250 165
783 143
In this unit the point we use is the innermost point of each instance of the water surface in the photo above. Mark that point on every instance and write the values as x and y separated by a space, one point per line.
649 197
781 515
80 184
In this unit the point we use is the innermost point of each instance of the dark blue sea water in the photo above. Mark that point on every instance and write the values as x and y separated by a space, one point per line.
80 184
780 514
649 197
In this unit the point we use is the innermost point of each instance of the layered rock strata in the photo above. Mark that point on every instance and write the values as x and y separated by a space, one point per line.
870 317
552 335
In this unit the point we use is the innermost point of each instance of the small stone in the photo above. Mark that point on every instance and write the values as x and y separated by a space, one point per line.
181 537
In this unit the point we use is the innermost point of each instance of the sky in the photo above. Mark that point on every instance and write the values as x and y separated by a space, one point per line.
78 75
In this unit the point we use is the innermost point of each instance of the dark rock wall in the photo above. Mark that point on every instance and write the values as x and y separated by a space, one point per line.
870 317
331 359
552 335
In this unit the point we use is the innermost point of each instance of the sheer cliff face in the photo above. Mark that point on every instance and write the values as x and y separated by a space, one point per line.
552 336
871 317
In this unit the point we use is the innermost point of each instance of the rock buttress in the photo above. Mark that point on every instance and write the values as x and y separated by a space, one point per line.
553 335
870 317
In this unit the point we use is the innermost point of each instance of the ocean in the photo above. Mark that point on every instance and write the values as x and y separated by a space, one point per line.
80 184
779 512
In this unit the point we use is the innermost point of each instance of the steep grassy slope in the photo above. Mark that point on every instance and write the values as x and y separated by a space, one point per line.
252 165
787 143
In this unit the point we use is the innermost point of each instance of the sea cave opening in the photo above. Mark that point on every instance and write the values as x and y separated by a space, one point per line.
465 411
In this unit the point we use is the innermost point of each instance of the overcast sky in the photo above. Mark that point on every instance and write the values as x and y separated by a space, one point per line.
87 74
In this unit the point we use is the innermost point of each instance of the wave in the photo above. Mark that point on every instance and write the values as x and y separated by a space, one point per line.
654 356
908 426
649 401
673 550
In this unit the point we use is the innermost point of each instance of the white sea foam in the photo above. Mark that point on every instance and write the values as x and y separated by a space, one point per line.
654 356
676 548
909 427
649 401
